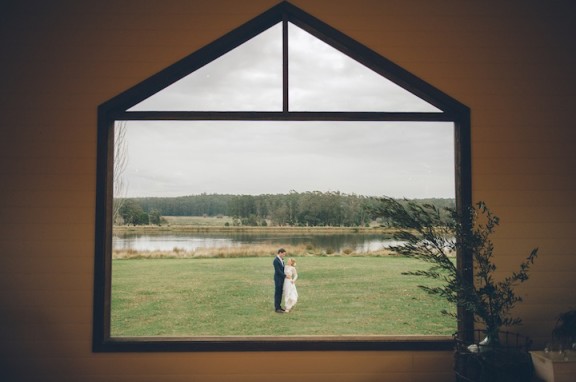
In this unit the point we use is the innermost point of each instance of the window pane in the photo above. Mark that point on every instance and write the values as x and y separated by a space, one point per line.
248 78
324 79
218 281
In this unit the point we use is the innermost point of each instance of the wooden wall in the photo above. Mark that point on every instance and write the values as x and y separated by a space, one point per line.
511 62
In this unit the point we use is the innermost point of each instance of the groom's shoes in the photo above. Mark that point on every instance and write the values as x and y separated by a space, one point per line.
280 310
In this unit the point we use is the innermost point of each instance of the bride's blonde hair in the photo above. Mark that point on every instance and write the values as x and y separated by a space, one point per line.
291 261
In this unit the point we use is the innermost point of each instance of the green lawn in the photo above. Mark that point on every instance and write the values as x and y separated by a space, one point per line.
234 296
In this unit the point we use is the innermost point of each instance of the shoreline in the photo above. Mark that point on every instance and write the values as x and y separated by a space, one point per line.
247 229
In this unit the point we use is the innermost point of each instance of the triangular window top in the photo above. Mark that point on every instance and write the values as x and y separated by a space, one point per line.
249 78
284 65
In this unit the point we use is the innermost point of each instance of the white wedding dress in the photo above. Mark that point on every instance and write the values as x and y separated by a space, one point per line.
290 292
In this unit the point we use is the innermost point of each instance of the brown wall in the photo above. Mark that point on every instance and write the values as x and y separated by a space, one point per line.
511 62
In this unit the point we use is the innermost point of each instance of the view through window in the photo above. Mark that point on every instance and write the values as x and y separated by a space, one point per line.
223 196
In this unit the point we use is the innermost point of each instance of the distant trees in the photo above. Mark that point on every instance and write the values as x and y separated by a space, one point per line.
194 205
309 209
302 209
132 213
154 217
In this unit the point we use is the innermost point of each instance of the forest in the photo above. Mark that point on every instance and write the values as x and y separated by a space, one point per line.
311 209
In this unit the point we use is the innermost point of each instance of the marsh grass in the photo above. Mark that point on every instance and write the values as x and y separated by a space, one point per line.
246 250
233 296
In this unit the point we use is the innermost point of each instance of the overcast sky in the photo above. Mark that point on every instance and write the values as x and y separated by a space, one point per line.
411 160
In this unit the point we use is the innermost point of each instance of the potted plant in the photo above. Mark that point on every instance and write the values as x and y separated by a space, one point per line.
564 332
435 236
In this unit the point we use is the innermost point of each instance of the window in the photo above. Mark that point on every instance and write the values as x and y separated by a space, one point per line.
309 77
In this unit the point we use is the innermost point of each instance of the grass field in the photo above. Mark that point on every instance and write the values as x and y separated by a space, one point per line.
234 297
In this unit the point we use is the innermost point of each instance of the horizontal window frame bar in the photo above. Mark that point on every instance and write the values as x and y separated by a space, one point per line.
280 116
356 343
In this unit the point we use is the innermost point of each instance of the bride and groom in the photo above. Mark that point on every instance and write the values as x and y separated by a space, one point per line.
285 276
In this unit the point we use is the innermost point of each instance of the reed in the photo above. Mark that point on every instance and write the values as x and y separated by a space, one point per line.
251 250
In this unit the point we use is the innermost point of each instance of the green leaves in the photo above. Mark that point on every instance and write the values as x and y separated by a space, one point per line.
435 236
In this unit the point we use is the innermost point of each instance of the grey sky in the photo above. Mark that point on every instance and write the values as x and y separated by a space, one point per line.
367 158
376 158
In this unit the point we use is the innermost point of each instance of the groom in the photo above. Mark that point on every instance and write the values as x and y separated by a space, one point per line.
279 279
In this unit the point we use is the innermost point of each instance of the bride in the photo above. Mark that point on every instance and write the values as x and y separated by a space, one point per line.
290 292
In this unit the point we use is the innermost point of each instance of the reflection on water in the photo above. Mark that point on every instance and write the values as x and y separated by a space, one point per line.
191 242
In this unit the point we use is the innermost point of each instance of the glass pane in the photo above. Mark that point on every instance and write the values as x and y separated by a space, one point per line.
224 195
248 78
324 79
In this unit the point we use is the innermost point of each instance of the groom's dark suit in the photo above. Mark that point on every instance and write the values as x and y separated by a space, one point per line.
278 282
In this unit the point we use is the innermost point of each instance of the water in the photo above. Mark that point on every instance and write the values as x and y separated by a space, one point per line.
191 242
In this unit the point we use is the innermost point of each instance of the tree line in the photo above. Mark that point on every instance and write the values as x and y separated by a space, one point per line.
313 208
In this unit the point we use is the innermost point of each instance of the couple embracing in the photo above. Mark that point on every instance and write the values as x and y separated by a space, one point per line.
285 277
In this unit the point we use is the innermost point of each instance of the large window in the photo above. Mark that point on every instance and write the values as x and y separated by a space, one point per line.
284 105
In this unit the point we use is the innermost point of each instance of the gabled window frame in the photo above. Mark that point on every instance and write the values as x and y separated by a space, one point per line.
116 109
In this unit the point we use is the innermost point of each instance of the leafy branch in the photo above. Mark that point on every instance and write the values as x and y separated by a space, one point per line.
435 236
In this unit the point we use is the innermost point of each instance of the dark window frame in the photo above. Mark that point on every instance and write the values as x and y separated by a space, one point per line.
115 109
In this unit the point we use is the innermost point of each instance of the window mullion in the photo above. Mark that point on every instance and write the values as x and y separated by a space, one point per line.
285 64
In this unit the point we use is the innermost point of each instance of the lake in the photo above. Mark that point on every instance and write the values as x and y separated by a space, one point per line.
359 242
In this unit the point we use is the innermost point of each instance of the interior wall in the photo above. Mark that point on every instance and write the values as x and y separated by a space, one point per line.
510 62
